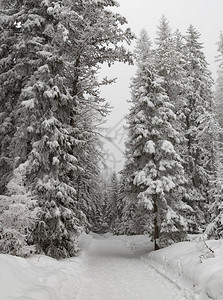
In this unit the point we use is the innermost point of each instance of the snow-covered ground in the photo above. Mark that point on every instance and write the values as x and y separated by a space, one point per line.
195 267
116 272
118 268
40 278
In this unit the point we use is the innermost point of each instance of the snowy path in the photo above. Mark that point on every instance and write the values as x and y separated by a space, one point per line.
114 273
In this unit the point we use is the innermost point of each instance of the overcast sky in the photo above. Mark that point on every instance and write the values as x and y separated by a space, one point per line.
205 15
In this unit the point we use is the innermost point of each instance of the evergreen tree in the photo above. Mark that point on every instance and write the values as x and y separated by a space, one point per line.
87 182
165 62
200 131
219 84
153 167
112 201
120 227
12 74
104 208
131 218
170 61
215 228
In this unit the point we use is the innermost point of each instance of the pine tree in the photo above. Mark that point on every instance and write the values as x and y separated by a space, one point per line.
219 83
215 227
170 61
87 183
165 62
120 227
152 166
112 201
200 131
12 74
104 207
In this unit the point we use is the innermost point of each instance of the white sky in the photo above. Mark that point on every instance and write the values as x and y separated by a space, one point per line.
205 15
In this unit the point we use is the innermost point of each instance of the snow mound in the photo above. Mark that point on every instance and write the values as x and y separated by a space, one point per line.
41 277
196 267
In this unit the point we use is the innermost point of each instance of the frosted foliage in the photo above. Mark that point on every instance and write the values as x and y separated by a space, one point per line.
28 103
168 183
45 54
114 2
148 203
147 101
140 178
146 200
17 217
154 186
54 10
166 164
150 147
170 216
16 184
56 161
33 21
64 30
215 228
47 123
173 227
167 147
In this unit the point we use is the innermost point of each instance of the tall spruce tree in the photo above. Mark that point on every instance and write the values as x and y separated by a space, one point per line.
200 130
215 228
165 62
219 84
50 53
153 167
170 61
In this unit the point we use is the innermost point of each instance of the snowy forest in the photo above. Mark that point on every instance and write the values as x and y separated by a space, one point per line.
51 186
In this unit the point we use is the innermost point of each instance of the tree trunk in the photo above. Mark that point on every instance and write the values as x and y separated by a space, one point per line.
156 227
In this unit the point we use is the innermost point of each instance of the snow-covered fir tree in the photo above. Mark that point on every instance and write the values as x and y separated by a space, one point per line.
170 61
200 131
165 60
49 61
11 77
131 218
153 167
112 200
215 228
120 226
181 64
219 83
87 182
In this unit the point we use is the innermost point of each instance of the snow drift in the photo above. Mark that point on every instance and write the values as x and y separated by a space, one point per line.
196 267
41 277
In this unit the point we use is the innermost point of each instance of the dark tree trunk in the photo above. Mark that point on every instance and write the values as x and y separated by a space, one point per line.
156 227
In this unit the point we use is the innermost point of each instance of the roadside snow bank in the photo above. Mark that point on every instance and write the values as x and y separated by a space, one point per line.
193 266
41 277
